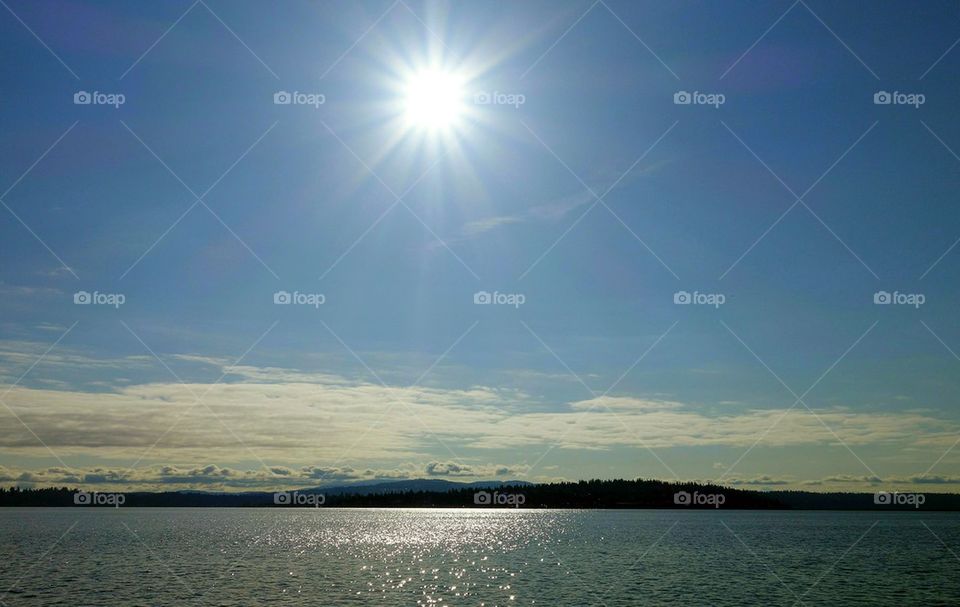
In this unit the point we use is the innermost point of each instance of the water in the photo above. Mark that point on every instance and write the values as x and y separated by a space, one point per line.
335 557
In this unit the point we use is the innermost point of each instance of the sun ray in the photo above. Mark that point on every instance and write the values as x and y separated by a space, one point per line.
434 100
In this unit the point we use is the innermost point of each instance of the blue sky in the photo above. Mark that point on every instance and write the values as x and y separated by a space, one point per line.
303 199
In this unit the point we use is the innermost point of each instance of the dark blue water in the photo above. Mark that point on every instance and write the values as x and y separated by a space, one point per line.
340 557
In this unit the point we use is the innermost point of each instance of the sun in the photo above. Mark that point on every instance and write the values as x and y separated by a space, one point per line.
434 100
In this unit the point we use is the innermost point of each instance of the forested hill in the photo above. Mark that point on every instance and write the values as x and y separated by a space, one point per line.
583 494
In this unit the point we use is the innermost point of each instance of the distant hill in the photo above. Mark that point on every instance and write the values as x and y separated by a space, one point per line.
193 498
438 493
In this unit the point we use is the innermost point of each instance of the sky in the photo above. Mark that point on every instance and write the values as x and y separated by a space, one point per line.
582 276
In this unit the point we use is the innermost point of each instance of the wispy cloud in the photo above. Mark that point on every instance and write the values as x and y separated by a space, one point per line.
28 291
215 477
286 417
547 212
305 424
551 211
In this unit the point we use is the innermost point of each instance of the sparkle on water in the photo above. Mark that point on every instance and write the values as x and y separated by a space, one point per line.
337 557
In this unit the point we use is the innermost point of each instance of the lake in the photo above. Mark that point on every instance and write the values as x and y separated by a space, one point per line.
334 557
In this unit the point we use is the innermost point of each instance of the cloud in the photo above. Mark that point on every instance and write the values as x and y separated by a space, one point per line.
24 291
916 479
480 226
761 481
851 479
332 473
285 417
59 272
848 482
28 353
222 478
298 423
935 480
213 477
477 471
447 469
624 404
551 211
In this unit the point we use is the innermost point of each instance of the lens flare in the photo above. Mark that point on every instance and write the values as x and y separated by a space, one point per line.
434 100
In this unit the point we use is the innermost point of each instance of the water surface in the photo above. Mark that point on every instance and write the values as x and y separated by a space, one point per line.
336 557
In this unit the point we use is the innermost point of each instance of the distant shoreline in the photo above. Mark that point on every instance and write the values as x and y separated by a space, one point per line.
617 494
480 508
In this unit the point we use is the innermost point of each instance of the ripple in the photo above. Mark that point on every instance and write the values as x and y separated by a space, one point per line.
342 557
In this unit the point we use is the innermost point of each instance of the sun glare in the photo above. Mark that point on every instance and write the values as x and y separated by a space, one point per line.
434 100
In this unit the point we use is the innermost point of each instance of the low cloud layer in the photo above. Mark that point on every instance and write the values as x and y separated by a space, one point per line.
214 477
325 419
285 419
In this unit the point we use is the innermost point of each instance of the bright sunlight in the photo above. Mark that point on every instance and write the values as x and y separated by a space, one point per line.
434 100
